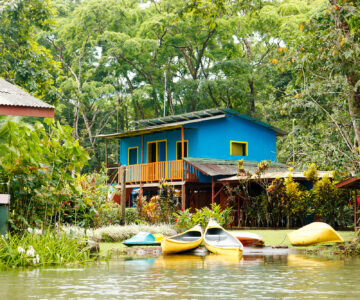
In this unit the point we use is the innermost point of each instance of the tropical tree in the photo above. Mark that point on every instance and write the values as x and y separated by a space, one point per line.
23 60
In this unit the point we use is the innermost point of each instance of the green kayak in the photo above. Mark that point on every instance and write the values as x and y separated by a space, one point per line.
141 239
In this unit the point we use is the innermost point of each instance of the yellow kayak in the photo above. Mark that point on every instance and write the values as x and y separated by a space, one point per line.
314 233
185 241
219 241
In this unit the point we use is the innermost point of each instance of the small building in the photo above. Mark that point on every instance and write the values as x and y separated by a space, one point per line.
353 184
16 102
194 152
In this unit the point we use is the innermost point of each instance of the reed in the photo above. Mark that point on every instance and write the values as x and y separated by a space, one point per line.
37 250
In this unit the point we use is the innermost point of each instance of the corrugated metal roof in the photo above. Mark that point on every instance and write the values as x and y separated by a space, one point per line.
196 115
162 127
271 174
192 117
223 167
11 95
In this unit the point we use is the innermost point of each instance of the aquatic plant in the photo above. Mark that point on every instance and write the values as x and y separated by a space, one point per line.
35 250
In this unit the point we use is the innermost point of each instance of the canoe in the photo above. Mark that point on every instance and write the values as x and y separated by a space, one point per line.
249 239
313 234
219 241
185 241
141 239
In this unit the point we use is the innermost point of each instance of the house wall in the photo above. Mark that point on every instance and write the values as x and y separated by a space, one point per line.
211 139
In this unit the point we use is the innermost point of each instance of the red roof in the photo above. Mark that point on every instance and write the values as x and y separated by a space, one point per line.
17 102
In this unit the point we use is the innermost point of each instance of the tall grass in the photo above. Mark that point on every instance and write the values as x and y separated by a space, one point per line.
35 250
117 233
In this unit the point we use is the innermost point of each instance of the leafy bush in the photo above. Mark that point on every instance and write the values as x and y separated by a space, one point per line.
132 216
186 220
160 208
108 213
38 164
35 250
284 201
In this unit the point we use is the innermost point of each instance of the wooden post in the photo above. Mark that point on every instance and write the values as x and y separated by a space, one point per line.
212 189
142 149
183 197
123 193
182 143
106 155
355 211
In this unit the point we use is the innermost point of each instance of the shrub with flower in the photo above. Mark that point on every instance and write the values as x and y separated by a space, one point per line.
185 219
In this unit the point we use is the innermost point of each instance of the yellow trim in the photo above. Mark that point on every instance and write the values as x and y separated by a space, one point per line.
157 149
246 147
137 155
187 148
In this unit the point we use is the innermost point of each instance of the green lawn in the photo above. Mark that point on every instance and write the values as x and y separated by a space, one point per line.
277 237
106 247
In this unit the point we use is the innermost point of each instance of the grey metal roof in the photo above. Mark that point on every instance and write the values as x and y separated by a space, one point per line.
11 95
202 114
223 167
170 122
271 174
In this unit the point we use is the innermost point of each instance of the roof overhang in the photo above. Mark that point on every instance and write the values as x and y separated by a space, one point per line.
27 111
227 167
164 127
277 174
16 102
351 183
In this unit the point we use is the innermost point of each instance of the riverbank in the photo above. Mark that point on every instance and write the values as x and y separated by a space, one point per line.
272 238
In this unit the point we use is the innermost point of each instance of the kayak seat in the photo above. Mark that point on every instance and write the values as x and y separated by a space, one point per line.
188 237
220 238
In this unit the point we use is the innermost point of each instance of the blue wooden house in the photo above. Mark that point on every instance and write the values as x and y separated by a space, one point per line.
193 151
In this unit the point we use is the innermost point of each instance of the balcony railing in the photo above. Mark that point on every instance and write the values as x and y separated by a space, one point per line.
174 170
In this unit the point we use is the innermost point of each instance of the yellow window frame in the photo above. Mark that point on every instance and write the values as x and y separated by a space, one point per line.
187 148
137 155
157 149
239 142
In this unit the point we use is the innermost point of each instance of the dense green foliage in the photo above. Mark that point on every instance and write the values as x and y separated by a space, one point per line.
38 165
118 61
23 60
288 203
107 63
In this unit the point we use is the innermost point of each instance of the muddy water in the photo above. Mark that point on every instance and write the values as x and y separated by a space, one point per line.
197 277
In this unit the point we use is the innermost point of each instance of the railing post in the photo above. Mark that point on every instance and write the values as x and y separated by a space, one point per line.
123 193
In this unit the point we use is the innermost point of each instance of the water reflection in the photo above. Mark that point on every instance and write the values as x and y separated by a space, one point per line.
190 276
302 261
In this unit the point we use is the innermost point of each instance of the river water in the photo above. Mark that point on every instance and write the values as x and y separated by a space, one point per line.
290 276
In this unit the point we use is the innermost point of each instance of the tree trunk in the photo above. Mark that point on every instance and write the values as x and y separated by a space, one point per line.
252 97
354 107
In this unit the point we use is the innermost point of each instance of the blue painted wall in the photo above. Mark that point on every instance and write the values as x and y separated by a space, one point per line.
211 139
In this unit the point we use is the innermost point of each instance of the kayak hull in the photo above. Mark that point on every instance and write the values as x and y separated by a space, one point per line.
219 241
313 234
142 239
182 242
249 239
224 251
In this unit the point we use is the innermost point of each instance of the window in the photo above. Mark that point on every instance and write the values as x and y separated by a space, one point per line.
156 151
238 148
179 152
133 156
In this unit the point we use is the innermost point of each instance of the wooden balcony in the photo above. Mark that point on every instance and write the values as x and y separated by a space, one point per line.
174 170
